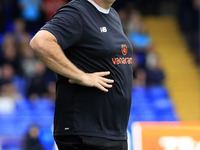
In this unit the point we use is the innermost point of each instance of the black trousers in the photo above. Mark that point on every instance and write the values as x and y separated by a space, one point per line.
78 142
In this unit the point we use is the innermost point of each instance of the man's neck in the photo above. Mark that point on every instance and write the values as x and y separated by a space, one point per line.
106 4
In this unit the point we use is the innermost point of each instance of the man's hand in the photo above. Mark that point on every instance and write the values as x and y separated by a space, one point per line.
94 80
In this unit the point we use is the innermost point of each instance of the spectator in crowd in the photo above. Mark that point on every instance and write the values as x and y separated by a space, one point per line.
9 77
154 72
188 17
123 14
8 89
31 141
140 79
38 87
31 13
28 61
8 12
50 6
147 7
27 58
135 21
7 74
137 32
2 22
147 68
155 75
139 38
8 96
51 91
10 53
196 4
19 30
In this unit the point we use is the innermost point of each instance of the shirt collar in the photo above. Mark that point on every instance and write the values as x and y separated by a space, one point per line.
102 10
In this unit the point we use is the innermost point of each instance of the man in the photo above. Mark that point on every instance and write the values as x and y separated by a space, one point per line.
85 45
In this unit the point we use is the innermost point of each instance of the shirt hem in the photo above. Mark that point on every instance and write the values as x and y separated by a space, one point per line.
117 137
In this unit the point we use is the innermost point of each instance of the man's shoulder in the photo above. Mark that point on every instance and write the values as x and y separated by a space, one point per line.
75 4
74 7
112 10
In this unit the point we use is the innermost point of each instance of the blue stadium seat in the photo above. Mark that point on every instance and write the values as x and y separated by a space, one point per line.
9 26
151 104
20 83
139 95
46 138
8 124
1 41
11 143
39 112
164 109
155 92
23 107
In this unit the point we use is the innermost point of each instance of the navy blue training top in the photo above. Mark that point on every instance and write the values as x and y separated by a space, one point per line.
94 42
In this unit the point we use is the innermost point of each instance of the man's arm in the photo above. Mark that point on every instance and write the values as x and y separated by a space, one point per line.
45 46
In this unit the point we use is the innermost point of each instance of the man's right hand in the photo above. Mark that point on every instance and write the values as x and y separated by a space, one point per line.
96 79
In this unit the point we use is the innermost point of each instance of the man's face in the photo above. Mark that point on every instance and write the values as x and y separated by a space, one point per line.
109 1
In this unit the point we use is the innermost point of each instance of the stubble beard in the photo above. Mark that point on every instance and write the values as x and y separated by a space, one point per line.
109 2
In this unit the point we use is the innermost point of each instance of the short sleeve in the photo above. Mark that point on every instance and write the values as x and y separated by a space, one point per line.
66 26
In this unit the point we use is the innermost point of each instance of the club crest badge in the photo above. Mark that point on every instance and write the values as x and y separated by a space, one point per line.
124 49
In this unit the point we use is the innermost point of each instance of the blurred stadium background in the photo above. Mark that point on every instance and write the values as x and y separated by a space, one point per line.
166 93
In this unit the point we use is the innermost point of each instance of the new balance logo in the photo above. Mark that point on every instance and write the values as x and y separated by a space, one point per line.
103 29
